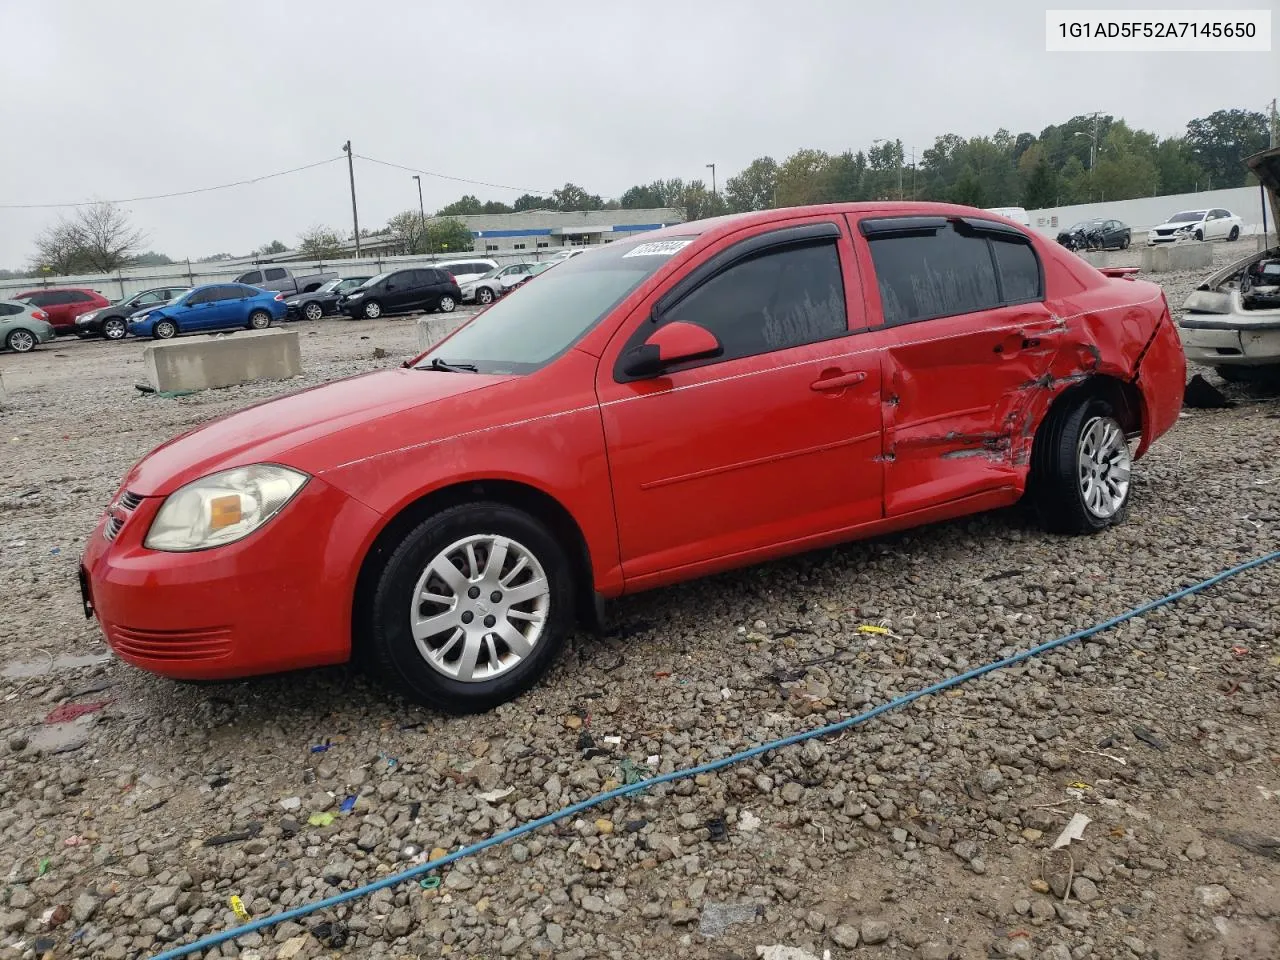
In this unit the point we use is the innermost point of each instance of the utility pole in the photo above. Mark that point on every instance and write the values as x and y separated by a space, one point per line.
351 172
1274 125
422 212
712 167
900 159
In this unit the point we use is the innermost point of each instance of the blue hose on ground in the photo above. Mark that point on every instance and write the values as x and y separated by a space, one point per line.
215 939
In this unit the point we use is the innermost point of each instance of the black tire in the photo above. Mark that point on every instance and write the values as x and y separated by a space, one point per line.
484 296
387 637
447 304
1199 234
1234 235
259 320
115 328
312 310
164 330
20 341
371 310
1124 243
1056 482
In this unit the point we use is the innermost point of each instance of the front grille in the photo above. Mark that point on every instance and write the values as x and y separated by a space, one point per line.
119 513
205 643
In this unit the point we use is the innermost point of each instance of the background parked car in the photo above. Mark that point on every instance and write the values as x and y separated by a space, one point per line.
64 304
464 271
1213 224
425 288
113 322
1016 214
215 306
22 326
495 283
536 269
323 300
284 280
1096 234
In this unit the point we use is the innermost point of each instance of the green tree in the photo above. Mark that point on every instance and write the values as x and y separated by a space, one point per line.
320 243
275 246
697 202
465 207
495 206
753 188
449 235
529 201
800 178
1041 189
843 180
1220 142
643 197
1176 166
573 197
149 258
409 232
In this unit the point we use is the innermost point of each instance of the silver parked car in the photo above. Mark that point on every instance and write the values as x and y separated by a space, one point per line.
495 283
22 326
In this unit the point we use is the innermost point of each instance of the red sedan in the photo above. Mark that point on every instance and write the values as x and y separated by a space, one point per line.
704 397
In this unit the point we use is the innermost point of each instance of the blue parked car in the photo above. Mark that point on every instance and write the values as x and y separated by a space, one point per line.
215 306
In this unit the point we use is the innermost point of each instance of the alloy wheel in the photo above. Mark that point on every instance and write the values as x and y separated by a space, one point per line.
1104 467
22 341
479 608
114 329
313 311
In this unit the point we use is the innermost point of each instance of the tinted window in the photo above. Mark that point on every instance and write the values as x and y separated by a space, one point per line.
777 299
76 296
151 296
9 309
43 299
933 273
441 276
1019 270
200 296
254 277
275 274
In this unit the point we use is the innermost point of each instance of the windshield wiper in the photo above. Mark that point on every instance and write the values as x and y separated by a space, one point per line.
438 364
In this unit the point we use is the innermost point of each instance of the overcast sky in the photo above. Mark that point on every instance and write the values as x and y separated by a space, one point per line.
119 100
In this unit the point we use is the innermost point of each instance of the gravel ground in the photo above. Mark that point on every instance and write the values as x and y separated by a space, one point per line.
923 834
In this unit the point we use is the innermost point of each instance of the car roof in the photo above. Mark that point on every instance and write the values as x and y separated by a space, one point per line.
59 290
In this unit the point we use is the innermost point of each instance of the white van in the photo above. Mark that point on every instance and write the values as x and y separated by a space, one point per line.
1016 214
464 271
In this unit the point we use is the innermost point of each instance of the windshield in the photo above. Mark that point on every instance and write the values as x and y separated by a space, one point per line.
1187 216
1085 225
539 321
329 287
490 275
372 281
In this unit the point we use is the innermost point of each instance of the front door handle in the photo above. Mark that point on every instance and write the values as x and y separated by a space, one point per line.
839 381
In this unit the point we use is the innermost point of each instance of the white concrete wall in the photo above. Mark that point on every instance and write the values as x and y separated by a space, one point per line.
1143 213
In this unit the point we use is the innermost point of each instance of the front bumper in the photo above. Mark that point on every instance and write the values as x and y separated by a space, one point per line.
280 599
1154 238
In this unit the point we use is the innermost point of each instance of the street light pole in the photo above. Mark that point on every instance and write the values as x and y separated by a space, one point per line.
712 167
351 172
422 212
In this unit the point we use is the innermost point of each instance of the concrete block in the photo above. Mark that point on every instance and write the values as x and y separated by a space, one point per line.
1177 256
433 329
198 363
1095 258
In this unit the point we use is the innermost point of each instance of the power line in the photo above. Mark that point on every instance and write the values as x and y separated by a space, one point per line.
445 176
167 196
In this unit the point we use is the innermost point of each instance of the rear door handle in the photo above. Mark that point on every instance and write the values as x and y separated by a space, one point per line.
839 381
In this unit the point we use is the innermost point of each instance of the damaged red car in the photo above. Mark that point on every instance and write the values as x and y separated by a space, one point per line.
707 396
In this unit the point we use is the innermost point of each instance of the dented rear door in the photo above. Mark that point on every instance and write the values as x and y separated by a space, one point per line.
960 363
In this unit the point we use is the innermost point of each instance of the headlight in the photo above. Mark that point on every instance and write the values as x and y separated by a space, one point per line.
222 508
355 296
138 318
86 317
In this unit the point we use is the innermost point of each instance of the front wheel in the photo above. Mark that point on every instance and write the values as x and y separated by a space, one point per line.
165 330
21 341
470 608
1124 243
1234 235
1082 469
484 296
259 320
313 311
1199 234
447 304
372 310
114 328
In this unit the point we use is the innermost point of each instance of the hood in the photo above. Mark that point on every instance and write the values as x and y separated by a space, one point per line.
373 408
1266 167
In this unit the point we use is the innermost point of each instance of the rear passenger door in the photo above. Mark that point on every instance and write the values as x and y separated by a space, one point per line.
966 339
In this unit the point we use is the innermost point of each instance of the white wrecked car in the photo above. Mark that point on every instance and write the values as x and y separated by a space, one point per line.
1231 321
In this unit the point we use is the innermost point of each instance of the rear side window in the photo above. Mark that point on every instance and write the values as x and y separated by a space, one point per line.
9 309
42 299
77 296
942 272
275 274
254 277
247 292
779 298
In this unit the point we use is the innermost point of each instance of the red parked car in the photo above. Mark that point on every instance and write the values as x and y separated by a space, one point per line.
708 396
64 304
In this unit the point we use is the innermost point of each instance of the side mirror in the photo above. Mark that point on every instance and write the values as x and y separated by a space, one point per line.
671 344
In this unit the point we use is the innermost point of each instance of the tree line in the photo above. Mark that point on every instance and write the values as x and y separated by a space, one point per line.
1093 157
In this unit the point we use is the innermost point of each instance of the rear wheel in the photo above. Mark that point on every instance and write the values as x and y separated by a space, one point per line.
114 328
1234 235
447 304
21 341
313 311
1124 243
372 310
1082 468
471 608
259 320
164 330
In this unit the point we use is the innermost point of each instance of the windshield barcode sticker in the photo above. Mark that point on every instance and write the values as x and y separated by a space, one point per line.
658 248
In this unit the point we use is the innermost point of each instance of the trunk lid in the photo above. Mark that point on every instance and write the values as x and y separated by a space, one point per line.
1266 167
